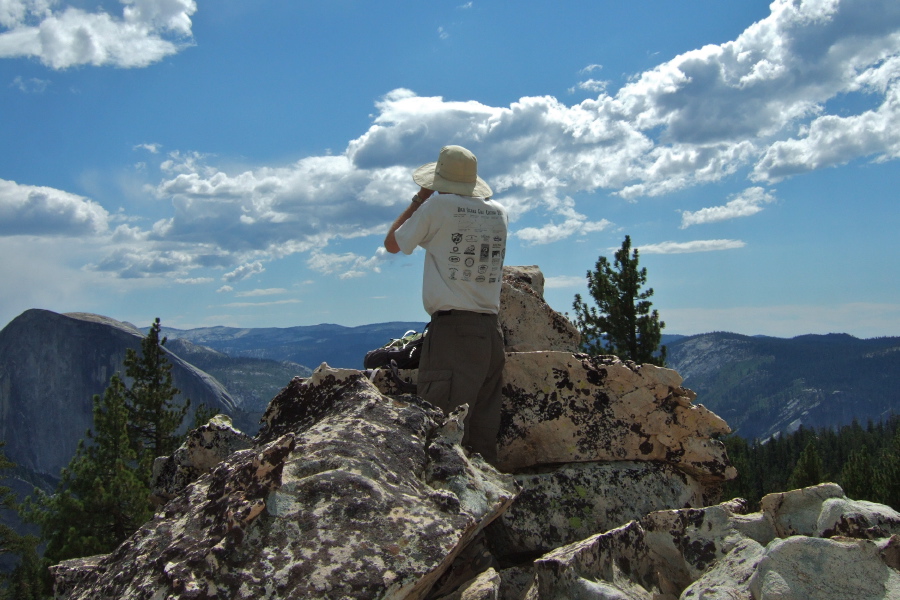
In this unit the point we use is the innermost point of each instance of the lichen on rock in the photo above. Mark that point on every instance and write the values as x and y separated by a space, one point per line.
340 498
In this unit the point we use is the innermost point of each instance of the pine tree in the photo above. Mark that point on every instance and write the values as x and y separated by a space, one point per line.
154 418
808 471
857 475
887 478
621 323
9 538
102 497
28 580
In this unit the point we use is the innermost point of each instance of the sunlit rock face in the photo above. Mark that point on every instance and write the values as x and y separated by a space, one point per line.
527 321
561 407
347 494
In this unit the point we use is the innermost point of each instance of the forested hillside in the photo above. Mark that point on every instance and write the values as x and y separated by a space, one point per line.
763 385
863 459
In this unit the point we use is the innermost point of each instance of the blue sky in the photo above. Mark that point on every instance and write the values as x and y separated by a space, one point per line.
238 163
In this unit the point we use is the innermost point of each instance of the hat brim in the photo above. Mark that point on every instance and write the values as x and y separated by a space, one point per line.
426 177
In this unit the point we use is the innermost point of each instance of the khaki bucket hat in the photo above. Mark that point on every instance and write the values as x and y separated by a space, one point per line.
455 172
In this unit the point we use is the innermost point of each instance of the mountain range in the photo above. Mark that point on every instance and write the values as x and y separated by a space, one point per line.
309 345
760 385
764 385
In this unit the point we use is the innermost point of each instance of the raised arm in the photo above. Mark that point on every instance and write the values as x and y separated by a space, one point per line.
390 241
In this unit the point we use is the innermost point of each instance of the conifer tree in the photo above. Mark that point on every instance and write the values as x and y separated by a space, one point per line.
102 497
621 323
9 539
27 581
887 478
808 471
30 580
154 418
857 475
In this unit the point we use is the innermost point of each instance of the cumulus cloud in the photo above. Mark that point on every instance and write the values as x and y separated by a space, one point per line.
747 203
832 140
137 263
593 85
35 210
574 223
243 272
760 104
146 32
689 247
347 265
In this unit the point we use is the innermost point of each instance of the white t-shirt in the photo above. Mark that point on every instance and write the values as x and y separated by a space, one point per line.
465 243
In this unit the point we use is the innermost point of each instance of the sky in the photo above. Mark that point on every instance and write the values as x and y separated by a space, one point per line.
238 163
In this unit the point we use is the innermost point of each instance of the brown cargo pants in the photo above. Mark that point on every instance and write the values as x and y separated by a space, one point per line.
462 363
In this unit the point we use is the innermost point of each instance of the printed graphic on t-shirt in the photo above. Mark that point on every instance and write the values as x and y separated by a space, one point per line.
478 246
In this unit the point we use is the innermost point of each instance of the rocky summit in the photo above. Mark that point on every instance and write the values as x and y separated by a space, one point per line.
608 488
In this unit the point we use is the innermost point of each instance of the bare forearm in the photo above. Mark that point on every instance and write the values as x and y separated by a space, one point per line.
390 241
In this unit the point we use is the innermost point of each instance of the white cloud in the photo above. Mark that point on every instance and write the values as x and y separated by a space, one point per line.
261 292
260 304
34 210
138 263
243 272
145 33
832 140
554 232
32 85
689 247
151 148
593 85
759 102
347 265
564 281
747 203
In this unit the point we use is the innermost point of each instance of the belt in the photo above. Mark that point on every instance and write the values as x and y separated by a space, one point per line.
444 313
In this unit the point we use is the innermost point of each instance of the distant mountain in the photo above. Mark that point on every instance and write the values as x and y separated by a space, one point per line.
309 345
759 385
251 382
51 365
764 385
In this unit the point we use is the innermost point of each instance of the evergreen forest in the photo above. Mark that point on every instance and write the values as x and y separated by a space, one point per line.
864 461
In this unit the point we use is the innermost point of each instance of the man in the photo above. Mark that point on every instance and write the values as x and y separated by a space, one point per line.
463 233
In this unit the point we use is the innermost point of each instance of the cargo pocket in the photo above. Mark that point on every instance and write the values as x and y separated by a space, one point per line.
434 387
